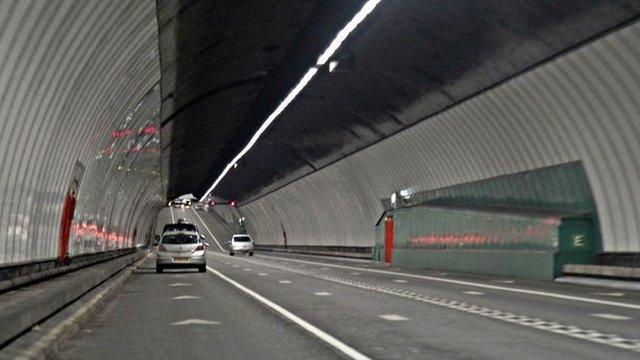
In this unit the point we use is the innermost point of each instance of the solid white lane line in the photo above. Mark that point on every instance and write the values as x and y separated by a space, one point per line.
611 316
393 317
186 297
337 344
208 230
479 285
399 281
473 292
284 281
322 293
195 322
617 294
173 219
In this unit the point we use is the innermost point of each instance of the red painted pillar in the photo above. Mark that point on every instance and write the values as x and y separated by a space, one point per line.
68 209
388 243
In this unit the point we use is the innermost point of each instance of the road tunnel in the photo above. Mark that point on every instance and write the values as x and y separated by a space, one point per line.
400 168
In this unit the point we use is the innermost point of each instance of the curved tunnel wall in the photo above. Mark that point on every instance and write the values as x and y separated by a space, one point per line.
582 106
78 82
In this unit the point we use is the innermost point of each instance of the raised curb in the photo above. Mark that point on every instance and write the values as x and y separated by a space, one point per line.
602 271
25 307
590 281
46 340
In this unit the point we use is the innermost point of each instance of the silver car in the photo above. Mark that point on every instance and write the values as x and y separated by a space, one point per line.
241 243
181 249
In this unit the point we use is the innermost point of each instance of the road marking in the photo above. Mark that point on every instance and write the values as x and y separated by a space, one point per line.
186 297
246 269
173 219
324 268
262 274
355 273
284 281
399 281
339 345
612 316
393 317
195 322
618 294
322 293
479 285
209 231
504 281
473 292
180 284
523 320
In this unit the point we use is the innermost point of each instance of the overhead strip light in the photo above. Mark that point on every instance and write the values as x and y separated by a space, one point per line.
366 9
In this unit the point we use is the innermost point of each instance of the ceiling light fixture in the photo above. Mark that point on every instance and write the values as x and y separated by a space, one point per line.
366 9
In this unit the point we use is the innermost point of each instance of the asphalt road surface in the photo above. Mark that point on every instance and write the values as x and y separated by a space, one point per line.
274 306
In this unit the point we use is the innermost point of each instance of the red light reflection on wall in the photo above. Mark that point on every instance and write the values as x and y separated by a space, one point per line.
147 130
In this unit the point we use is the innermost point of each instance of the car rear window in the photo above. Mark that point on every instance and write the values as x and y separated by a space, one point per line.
179 227
179 239
241 238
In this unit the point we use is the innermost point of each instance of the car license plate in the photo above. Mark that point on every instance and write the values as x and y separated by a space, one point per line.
180 259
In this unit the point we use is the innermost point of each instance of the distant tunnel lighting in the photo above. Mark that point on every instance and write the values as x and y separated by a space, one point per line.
368 7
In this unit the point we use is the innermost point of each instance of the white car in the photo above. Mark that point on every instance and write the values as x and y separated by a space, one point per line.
241 243
181 249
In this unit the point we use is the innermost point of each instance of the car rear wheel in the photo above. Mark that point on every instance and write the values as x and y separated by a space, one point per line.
159 269
202 268
231 253
251 254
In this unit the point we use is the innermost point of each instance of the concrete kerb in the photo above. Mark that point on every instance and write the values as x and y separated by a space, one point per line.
46 339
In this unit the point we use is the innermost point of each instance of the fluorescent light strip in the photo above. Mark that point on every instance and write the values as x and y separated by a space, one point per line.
368 7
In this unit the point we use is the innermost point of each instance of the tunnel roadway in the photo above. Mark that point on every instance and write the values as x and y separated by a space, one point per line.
274 306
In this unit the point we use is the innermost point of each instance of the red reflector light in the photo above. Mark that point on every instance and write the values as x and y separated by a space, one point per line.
162 248
200 247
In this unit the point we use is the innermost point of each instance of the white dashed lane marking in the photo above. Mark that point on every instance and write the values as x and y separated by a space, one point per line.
504 281
612 316
195 322
355 273
400 281
262 274
180 284
186 297
246 269
473 292
322 293
393 317
284 281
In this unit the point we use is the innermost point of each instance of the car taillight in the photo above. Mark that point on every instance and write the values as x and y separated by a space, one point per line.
200 247
162 248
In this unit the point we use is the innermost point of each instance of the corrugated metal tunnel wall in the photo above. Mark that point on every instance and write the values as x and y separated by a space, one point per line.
78 82
582 106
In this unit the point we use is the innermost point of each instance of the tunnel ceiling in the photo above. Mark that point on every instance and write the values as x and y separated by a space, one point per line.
226 65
